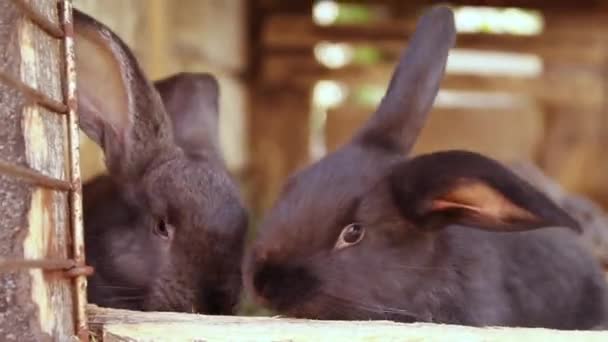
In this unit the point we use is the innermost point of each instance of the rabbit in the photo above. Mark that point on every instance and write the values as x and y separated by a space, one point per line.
368 233
165 230
591 217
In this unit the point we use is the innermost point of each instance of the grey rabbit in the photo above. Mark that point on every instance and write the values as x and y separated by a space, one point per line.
449 237
591 217
165 230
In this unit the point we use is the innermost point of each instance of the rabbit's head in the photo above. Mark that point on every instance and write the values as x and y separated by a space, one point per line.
166 229
354 235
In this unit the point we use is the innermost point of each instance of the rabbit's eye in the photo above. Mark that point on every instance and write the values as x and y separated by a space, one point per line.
161 229
351 235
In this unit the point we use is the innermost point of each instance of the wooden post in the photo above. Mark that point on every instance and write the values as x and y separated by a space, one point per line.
279 113
601 152
35 305
573 128
279 139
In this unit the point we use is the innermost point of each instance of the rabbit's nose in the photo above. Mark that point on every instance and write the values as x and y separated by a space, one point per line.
278 285
215 300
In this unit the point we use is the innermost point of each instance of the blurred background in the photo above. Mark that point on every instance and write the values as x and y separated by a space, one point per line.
527 80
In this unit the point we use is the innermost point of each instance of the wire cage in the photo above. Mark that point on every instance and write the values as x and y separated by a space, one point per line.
43 277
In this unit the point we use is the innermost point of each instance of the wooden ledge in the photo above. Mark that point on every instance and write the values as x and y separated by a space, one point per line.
111 325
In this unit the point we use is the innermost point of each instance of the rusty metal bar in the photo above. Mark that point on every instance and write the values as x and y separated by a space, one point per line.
34 16
34 95
76 220
33 176
45 264
70 268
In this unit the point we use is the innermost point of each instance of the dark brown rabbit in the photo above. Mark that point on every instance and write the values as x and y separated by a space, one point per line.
450 237
165 230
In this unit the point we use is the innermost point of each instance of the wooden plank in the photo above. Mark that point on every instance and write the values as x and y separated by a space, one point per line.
34 305
281 6
37 44
45 149
533 4
476 129
213 32
556 87
47 9
121 325
16 307
529 4
570 141
297 34
566 85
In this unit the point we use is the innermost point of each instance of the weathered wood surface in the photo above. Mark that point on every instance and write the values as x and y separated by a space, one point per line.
568 86
120 325
296 33
397 5
34 306
280 118
518 137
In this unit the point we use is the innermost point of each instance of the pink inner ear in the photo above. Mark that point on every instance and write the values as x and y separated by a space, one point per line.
439 205
102 84
483 200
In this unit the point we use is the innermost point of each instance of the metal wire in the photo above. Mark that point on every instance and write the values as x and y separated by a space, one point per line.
70 267
34 95
41 21
7 264
76 220
33 177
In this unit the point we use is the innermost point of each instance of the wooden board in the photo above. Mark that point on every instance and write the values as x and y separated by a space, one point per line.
521 130
34 305
558 86
289 33
120 325
530 4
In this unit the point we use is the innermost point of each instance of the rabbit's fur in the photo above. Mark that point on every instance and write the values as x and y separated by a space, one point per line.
165 230
449 237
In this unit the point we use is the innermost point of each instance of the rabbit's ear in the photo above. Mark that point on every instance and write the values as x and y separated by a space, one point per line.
465 188
119 109
191 100
414 85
